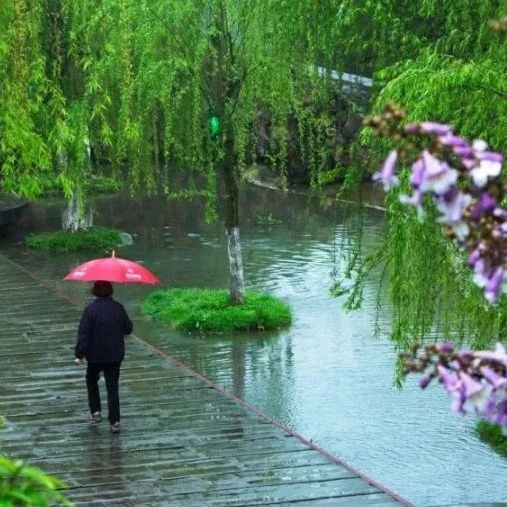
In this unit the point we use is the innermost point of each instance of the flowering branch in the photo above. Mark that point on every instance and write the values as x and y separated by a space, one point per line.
477 381
463 181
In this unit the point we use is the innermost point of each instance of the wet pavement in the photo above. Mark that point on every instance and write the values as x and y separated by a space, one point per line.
182 441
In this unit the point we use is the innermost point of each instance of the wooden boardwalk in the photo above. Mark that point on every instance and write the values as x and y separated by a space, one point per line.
183 443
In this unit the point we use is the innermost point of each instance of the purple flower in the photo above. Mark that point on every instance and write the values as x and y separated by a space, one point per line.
473 380
471 394
482 273
444 347
417 176
470 386
491 156
500 213
438 177
496 380
494 284
474 257
489 166
462 212
486 169
466 153
500 231
452 205
412 128
448 378
454 141
435 128
425 381
499 354
485 205
465 355
387 173
500 416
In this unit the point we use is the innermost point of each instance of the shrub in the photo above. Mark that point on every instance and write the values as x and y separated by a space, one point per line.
25 485
492 434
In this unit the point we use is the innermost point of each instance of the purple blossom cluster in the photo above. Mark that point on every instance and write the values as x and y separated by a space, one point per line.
463 180
476 381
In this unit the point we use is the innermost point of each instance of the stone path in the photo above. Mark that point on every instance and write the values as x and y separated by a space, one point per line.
183 443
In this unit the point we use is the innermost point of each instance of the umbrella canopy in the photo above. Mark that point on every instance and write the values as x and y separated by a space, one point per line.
112 269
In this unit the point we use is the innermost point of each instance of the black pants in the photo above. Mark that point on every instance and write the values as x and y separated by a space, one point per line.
111 375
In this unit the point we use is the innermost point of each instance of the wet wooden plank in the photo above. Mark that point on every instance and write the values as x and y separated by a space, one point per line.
182 443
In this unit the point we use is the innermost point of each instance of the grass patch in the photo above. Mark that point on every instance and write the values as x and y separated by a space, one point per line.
492 434
210 311
96 238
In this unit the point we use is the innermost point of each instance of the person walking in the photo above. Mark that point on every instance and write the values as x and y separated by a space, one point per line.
101 344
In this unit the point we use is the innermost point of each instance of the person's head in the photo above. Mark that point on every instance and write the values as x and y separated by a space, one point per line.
102 289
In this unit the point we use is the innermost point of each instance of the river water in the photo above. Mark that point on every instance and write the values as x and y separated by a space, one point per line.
327 376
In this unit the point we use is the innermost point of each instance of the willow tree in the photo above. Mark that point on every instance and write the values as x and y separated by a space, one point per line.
370 35
24 155
50 108
196 77
459 79
79 107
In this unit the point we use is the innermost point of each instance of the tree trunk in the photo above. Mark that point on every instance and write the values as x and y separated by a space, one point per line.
224 90
236 279
88 148
74 218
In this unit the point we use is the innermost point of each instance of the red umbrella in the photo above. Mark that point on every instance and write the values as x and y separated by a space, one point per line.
112 269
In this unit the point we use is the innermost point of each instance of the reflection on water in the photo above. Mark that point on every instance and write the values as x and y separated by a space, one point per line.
326 377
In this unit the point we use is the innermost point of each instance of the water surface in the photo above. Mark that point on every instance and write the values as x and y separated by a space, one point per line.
327 377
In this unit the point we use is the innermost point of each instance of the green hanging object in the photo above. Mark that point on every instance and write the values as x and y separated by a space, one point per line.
214 126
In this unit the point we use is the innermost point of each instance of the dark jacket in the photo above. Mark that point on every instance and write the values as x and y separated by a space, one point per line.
101 330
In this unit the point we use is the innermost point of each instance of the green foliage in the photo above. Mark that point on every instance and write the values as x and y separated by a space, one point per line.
492 434
24 485
24 156
3 422
210 311
96 238
370 35
454 74
192 60
103 185
137 81
467 94
95 185
429 286
452 71
267 220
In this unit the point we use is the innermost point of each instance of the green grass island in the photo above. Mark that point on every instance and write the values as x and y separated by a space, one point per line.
210 311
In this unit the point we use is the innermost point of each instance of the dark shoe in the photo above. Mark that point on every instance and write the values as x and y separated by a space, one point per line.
115 427
96 417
